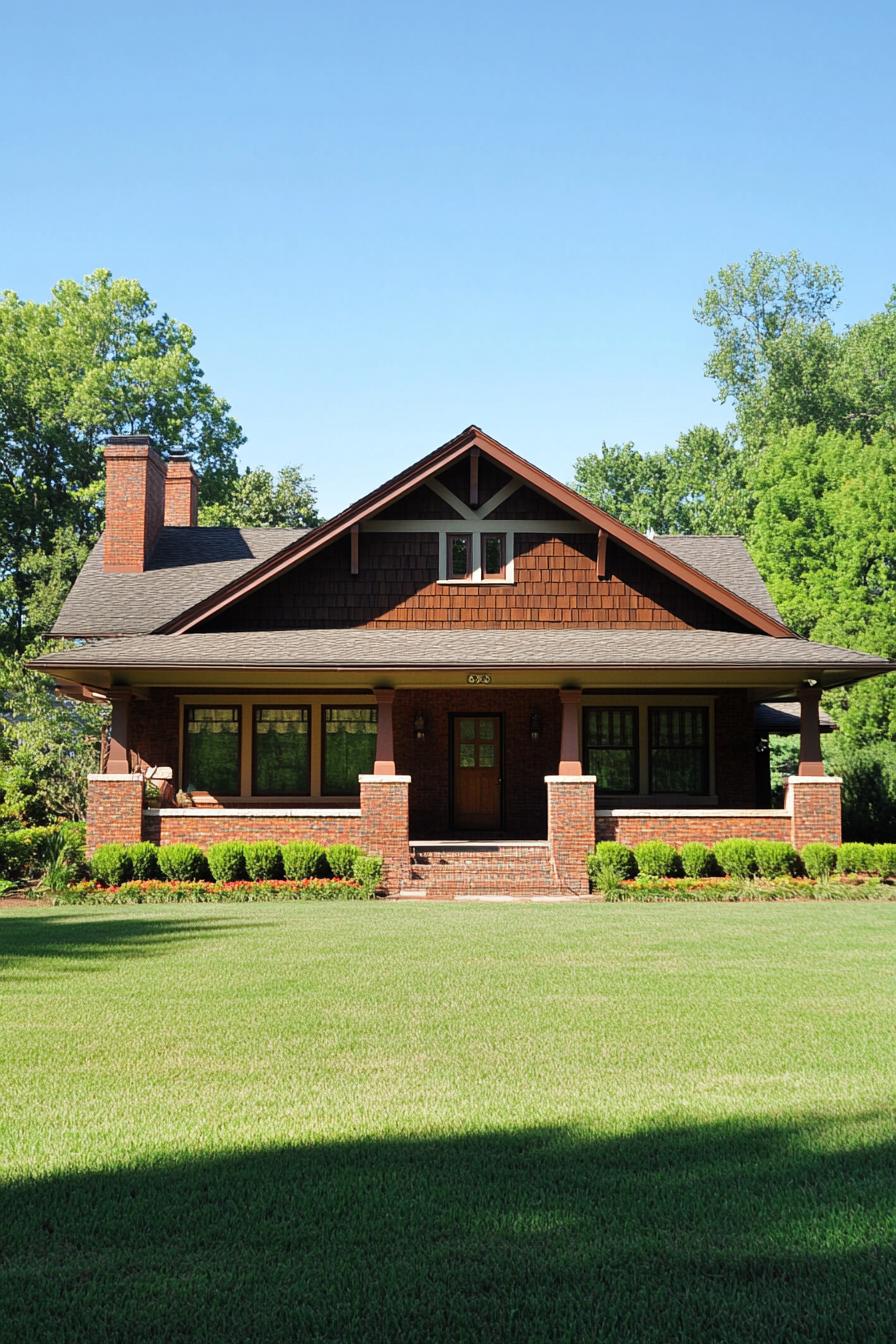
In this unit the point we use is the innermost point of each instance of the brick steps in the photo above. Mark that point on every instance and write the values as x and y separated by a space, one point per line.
450 871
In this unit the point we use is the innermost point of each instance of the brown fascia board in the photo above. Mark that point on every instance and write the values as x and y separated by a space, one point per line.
417 474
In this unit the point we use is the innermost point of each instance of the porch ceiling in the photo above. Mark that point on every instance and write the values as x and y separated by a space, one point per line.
592 659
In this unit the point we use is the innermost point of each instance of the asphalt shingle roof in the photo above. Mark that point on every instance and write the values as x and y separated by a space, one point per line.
461 648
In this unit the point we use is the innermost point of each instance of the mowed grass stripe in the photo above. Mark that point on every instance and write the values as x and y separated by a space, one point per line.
448 1123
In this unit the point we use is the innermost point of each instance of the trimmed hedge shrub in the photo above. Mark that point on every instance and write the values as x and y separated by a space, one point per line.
855 858
696 859
144 860
656 859
182 862
341 858
15 852
885 860
776 858
226 861
736 857
610 856
367 870
26 851
303 858
111 864
263 860
819 859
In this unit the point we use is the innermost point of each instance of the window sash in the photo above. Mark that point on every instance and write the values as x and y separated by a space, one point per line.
281 743
610 740
495 541
212 749
679 749
348 747
459 547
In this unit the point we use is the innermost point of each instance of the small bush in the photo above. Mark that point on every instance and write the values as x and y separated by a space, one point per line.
226 861
144 860
736 857
111 864
696 859
656 859
776 858
182 863
303 858
819 860
885 860
14 854
341 858
611 856
263 860
855 858
367 869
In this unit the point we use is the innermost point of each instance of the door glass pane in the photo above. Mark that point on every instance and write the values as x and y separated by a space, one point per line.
281 749
349 747
468 730
212 749
487 729
467 755
487 754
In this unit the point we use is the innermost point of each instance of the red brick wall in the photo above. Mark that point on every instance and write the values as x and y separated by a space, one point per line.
679 830
181 495
397 587
384 809
153 731
735 750
816 809
571 829
114 810
206 826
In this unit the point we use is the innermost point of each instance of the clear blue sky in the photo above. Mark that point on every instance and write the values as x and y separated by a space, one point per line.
386 221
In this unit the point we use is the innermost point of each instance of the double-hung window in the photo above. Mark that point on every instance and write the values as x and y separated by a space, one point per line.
610 737
212 749
281 759
679 749
349 747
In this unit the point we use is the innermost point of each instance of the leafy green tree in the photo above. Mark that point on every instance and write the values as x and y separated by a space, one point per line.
257 499
95 359
697 485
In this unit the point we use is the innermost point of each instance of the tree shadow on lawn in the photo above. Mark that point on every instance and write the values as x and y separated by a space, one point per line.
32 944
733 1232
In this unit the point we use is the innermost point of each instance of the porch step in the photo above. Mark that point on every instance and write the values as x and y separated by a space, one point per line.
451 870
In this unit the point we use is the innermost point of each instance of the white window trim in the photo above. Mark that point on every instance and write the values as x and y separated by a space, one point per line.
475 535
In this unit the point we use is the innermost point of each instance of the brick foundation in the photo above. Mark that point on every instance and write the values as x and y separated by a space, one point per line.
204 827
814 804
114 810
706 827
571 827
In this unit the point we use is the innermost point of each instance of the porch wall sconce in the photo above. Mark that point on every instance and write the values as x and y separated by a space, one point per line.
535 725
419 727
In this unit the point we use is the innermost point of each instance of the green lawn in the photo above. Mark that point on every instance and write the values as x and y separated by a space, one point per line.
448 1123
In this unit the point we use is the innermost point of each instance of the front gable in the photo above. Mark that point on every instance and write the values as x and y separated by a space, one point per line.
474 535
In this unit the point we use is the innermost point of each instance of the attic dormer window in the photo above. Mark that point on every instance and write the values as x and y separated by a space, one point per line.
476 557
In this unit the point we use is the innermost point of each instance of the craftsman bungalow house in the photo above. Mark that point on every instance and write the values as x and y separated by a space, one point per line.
472 671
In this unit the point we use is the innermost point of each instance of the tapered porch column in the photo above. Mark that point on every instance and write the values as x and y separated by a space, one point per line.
570 749
117 758
810 732
384 761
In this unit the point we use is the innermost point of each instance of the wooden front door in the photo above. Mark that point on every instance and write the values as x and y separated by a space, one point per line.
477 772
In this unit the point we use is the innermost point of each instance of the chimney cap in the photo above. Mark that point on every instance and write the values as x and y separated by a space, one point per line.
179 453
121 440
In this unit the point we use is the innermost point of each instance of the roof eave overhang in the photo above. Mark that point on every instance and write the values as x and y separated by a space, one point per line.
436 461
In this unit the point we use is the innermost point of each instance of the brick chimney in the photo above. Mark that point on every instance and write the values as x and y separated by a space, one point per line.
181 490
135 502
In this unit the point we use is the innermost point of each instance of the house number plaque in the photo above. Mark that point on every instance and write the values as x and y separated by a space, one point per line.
479 678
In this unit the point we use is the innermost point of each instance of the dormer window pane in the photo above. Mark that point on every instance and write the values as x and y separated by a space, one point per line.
459 550
493 555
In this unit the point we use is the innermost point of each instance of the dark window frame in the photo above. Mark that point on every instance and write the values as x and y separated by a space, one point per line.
467 539
271 793
185 777
634 712
324 791
703 712
501 538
